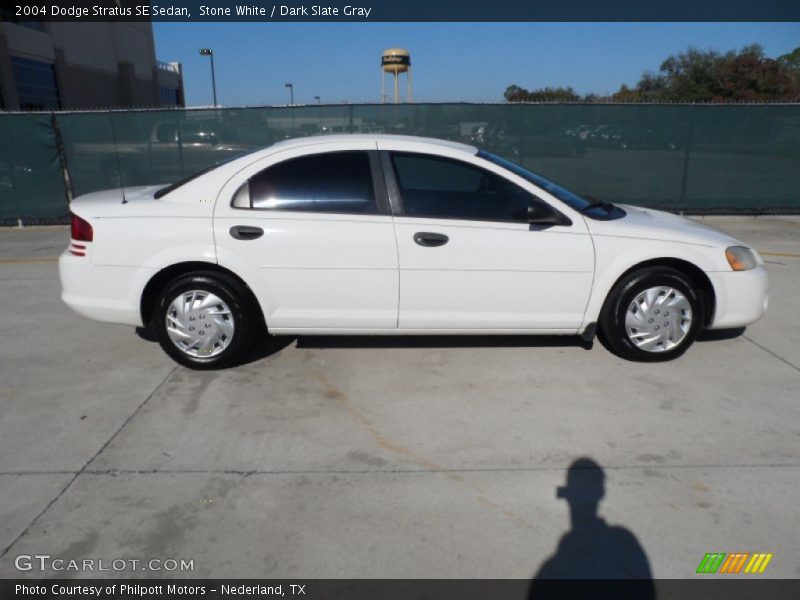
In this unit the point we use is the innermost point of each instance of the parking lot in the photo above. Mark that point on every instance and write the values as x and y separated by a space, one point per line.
376 457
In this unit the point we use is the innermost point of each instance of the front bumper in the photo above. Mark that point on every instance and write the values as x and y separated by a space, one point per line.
741 297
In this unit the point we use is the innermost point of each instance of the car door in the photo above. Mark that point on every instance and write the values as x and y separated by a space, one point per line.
312 229
469 258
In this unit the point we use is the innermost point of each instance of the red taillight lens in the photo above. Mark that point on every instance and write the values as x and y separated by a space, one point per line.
81 230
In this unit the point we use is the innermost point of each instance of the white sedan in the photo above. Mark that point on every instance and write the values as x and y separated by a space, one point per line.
379 234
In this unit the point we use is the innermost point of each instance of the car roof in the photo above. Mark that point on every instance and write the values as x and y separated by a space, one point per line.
394 142
377 138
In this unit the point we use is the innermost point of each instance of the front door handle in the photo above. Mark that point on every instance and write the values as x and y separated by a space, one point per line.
430 240
246 232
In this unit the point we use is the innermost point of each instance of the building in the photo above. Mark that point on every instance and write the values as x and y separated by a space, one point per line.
63 66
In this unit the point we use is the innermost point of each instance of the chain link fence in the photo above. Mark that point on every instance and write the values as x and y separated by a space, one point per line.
684 158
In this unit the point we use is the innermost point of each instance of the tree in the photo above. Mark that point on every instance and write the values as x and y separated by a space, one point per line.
791 60
626 94
514 93
708 76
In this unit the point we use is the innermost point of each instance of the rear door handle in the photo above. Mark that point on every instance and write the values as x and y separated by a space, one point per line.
430 240
246 232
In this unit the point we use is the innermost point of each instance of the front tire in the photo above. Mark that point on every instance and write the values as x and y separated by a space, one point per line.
652 314
205 320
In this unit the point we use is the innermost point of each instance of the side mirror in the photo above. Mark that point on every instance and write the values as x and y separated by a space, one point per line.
540 213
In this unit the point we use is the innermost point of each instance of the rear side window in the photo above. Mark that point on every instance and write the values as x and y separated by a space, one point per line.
338 182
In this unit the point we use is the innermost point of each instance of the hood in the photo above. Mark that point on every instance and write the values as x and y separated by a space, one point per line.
647 223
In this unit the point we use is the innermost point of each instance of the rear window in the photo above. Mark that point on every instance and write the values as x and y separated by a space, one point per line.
338 182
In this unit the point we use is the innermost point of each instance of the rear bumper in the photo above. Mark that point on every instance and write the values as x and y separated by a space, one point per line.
98 292
741 297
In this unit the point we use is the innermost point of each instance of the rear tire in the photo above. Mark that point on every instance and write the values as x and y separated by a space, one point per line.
652 314
205 320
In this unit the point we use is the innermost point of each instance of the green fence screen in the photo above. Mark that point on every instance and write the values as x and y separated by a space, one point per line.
692 158
32 186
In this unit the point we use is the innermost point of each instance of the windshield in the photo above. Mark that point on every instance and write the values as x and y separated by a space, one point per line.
174 186
571 199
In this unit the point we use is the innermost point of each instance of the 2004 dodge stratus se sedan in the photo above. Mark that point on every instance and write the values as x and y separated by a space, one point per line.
387 234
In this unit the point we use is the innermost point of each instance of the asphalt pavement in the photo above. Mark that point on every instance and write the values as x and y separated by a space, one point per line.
375 457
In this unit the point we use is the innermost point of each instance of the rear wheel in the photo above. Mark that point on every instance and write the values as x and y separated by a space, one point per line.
652 314
205 320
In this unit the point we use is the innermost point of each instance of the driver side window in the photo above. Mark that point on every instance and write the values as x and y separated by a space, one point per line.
433 186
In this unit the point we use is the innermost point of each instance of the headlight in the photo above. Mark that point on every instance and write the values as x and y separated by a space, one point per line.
741 258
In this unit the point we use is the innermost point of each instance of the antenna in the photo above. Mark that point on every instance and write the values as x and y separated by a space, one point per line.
116 152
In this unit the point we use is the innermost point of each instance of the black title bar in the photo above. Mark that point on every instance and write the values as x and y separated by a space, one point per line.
405 11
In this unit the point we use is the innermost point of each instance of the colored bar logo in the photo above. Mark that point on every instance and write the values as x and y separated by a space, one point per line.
734 563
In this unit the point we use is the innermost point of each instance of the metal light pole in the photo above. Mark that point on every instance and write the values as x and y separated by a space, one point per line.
291 93
210 53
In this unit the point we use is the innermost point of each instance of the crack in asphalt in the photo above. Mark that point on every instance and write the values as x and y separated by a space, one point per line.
76 474
774 354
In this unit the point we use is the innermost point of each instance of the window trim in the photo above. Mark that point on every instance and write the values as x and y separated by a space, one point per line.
392 187
376 174
396 196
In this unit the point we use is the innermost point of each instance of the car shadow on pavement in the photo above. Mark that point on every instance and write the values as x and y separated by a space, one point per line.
147 334
263 346
441 341
592 549
716 335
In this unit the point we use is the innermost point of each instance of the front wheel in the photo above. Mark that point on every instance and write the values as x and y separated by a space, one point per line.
204 320
652 314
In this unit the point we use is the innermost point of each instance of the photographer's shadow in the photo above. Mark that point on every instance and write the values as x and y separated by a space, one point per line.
592 549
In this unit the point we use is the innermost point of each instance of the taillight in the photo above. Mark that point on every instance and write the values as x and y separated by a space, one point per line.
81 230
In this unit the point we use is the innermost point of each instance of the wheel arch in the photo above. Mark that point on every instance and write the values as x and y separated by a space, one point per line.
160 279
704 286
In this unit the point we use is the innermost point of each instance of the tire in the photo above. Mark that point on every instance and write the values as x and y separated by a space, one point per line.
631 322
205 320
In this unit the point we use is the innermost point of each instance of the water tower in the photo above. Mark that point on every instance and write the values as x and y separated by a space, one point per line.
395 61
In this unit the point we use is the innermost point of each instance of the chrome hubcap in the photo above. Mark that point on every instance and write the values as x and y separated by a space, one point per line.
199 323
658 319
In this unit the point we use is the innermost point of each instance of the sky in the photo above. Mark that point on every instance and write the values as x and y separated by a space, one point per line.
451 61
